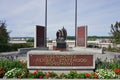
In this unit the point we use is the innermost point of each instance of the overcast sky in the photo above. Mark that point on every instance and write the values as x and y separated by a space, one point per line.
22 15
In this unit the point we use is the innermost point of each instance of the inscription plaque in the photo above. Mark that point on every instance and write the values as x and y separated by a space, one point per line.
54 61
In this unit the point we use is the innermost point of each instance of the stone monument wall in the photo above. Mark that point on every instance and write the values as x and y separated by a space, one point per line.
82 36
39 39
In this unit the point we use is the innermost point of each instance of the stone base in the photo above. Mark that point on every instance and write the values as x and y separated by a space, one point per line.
64 71
89 50
60 60
61 49
61 45
25 50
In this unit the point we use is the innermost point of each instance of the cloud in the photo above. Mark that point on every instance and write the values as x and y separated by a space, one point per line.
22 16
17 7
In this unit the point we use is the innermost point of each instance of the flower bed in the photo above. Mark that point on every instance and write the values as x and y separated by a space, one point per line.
16 73
8 64
18 69
24 73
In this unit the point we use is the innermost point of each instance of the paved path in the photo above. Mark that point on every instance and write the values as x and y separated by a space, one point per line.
8 53
107 55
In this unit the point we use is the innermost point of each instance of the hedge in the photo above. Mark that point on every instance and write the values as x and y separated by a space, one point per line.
13 47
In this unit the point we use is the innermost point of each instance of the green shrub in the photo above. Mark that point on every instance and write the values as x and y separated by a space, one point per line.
113 64
13 47
81 76
52 74
62 76
113 49
106 73
4 48
16 73
2 72
72 75
99 74
8 64
40 73
30 75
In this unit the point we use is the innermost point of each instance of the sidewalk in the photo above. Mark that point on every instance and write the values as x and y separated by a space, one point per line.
8 53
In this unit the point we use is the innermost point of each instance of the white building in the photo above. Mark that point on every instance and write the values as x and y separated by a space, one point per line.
17 41
71 43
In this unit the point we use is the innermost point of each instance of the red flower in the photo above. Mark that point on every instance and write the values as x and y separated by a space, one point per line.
96 76
19 76
40 77
47 74
87 75
61 75
117 71
35 72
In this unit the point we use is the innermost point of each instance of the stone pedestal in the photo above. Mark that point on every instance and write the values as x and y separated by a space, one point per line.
60 49
61 44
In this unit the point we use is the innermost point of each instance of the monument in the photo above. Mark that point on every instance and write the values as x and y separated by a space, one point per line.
60 59
39 39
82 36
61 37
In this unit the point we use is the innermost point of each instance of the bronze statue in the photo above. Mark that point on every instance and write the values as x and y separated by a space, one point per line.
61 35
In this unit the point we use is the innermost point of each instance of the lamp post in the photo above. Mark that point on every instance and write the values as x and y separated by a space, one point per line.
75 23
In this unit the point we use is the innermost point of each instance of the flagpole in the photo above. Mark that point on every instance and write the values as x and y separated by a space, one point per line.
75 23
45 23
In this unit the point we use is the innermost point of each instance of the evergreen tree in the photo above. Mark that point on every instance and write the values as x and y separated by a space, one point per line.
4 35
115 31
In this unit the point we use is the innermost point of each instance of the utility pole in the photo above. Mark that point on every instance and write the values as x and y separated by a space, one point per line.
75 23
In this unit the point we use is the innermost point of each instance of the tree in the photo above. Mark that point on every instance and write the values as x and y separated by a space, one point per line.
115 31
92 38
70 37
4 35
